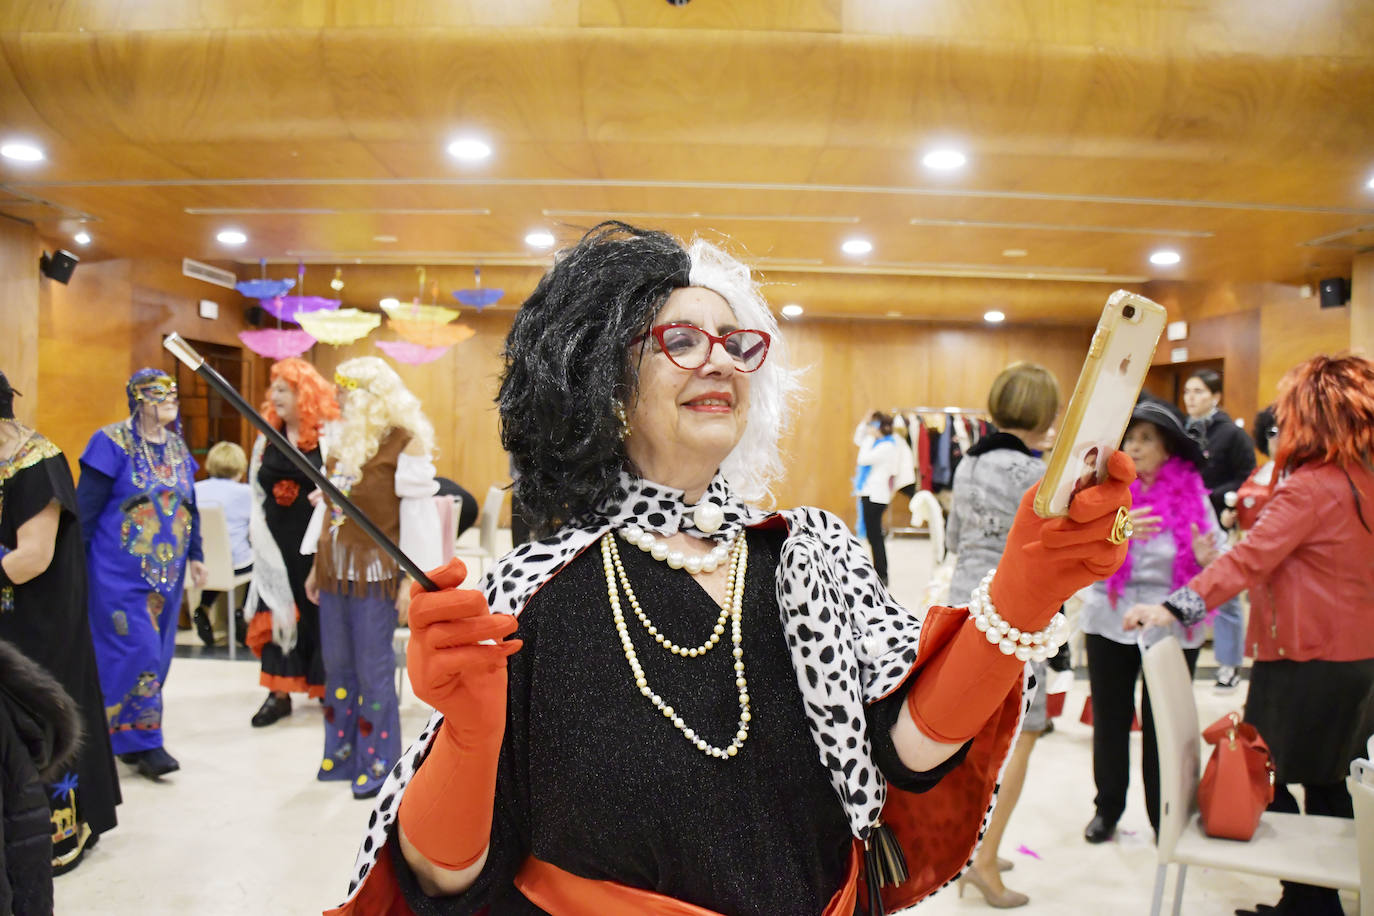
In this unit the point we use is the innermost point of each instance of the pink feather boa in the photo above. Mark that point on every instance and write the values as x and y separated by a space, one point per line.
1177 497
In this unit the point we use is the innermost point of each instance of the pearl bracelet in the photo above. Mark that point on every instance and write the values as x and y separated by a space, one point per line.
1007 638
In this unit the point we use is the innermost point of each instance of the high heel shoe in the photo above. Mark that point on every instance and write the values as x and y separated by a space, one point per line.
1006 900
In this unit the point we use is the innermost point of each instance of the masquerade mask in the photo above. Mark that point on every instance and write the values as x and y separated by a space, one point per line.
156 391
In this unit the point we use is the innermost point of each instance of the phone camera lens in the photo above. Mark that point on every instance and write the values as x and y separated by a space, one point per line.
1128 311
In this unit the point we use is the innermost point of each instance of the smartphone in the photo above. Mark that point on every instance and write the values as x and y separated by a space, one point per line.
1120 354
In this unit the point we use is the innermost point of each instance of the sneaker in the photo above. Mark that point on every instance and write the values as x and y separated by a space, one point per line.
1228 678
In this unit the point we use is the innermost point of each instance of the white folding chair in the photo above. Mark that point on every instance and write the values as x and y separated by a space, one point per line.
1360 782
491 515
219 566
1293 847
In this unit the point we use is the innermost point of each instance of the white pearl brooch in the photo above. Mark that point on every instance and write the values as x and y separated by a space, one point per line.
708 517
734 605
677 559
1007 638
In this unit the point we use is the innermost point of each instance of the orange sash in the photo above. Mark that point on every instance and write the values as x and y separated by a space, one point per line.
565 894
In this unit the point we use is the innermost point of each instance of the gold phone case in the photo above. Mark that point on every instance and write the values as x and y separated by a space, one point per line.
1122 348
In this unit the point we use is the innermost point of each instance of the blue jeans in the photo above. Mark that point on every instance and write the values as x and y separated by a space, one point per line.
1228 634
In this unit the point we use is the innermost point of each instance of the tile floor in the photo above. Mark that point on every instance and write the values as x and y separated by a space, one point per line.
244 828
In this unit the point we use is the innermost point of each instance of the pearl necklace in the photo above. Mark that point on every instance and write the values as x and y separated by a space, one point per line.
716 632
734 605
677 559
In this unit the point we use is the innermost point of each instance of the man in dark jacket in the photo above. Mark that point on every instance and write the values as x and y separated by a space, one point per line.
39 733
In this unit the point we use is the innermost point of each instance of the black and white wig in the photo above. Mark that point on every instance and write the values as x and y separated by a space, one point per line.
569 363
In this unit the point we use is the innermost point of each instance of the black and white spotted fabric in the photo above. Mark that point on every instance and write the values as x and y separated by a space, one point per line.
851 644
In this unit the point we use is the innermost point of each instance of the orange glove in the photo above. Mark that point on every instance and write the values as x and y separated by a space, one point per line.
1045 562
446 810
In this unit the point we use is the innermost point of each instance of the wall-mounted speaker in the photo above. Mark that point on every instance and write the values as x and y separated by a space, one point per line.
255 316
1334 292
58 266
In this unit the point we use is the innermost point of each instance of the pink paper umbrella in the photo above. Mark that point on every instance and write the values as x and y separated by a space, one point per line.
288 307
277 343
403 351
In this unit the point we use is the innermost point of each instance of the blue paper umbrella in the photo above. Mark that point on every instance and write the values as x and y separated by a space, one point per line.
264 289
478 297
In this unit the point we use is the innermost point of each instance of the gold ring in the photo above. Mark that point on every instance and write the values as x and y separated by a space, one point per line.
1122 528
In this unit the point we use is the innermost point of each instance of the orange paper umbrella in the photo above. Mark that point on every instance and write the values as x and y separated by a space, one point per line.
414 311
430 334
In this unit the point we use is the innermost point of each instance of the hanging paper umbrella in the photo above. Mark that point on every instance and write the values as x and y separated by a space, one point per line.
264 289
290 308
403 351
277 343
429 334
413 311
339 327
478 297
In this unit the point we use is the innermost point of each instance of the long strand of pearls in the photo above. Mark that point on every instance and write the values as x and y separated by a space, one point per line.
734 600
716 632
1007 638
677 559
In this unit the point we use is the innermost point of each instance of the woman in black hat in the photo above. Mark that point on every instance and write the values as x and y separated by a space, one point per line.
1174 527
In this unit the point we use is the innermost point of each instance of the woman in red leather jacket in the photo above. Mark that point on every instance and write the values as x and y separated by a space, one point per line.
1307 565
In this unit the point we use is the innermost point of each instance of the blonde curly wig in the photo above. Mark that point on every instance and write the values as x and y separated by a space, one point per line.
374 400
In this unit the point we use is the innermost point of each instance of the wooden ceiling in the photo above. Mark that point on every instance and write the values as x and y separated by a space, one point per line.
1240 134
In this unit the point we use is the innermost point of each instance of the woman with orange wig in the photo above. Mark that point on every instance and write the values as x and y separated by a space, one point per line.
285 631
1306 562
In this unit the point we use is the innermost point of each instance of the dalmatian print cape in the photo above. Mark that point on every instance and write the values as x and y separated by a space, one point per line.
851 643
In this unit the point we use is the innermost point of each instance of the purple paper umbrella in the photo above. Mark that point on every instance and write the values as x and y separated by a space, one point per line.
277 343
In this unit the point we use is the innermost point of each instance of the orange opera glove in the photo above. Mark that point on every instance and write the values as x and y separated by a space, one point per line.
446 810
1045 562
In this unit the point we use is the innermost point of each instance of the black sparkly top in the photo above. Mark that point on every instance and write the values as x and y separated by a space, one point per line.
595 780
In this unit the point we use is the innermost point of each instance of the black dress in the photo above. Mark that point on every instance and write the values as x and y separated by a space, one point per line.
46 619
593 779
286 509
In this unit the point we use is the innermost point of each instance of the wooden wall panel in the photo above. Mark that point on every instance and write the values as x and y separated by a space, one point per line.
19 297
1292 330
85 339
107 323
1362 305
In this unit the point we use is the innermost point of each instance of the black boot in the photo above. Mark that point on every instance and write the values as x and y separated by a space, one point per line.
201 618
153 763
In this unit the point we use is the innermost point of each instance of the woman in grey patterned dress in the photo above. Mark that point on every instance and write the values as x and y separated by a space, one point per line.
988 486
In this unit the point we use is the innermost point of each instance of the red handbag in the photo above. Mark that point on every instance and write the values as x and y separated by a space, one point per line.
1238 783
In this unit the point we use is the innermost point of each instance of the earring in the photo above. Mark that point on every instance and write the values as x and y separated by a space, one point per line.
619 410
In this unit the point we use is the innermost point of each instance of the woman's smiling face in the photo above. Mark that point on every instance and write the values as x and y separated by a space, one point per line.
687 418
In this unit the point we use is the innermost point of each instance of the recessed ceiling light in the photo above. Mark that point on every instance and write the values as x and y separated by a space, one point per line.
384 238
944 159
1014 252
539 239
82 238
893 314
792 310
469 149
993 316
389 303
231 237
1370 183
857 246
20 151
1165 257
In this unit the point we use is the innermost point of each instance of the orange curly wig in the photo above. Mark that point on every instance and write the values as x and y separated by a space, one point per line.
315 399
1325 412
